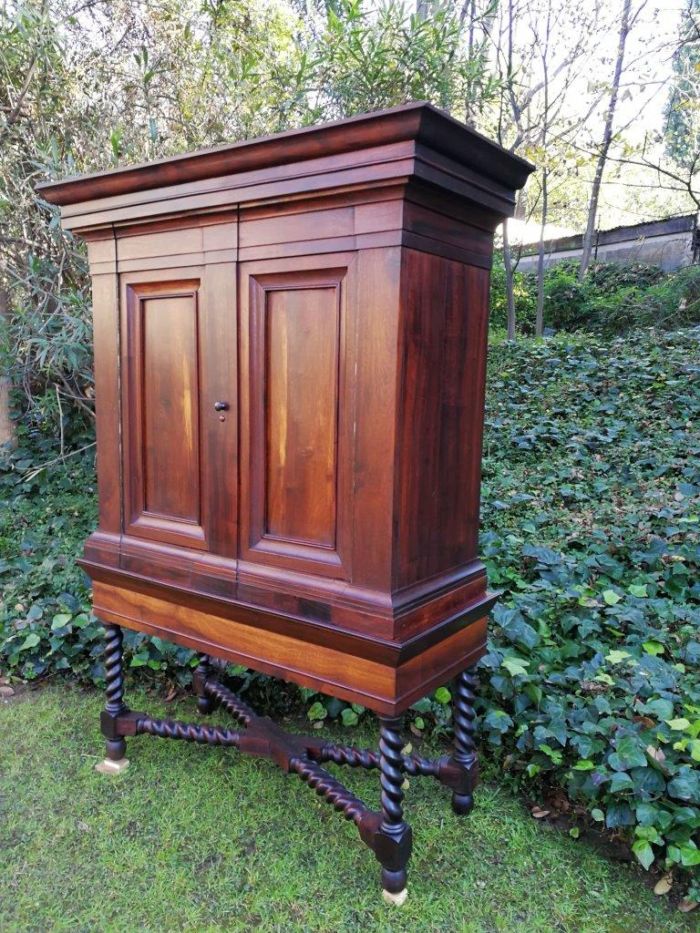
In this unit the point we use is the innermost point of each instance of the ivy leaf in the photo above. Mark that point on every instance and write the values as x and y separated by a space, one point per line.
617 657
611 598
619 814
685 786
31 641
620 781
498 720
515 666
543 555
443 695
690 854
678 725
317 712
60 620
644 853
628 754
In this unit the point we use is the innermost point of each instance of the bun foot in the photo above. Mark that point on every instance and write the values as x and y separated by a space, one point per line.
462 804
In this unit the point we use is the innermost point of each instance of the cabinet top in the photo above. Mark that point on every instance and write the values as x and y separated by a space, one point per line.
416 122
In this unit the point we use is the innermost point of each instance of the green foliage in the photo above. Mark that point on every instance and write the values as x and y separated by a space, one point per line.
682 130
129 82
592 515
371 57
523 292
614 298
592 530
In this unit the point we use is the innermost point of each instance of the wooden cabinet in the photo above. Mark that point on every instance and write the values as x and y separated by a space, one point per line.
290 345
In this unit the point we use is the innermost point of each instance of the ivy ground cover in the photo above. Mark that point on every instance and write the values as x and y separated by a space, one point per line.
590 527
591 520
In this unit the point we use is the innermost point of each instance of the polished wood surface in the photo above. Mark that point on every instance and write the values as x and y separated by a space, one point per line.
387 685
302 335
294 414
414 123
164 463
290 345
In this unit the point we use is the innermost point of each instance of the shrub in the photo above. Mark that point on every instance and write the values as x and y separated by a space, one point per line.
606 278
614 298
523 292
564 297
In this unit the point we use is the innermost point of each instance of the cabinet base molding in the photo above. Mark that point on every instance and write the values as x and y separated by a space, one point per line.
385 676
384 831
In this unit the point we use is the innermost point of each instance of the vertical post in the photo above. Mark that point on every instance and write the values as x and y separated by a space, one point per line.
464 753
115 706
395 855
202 671
7 427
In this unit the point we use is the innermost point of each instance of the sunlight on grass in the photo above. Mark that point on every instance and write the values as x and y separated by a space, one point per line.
198 838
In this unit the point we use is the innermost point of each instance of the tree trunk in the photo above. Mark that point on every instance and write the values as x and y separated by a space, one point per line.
607 140
7 426
539 317
510 293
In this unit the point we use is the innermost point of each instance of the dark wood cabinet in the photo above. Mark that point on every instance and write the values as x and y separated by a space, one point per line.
290 344
290 348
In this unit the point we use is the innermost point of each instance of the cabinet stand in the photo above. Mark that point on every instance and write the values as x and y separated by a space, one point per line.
384 831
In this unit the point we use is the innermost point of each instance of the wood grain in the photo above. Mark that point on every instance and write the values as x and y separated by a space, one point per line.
290 346
302 333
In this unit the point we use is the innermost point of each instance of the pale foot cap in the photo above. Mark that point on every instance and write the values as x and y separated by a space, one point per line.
112 767
396 899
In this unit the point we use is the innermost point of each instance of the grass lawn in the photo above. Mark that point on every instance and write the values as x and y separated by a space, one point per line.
197 838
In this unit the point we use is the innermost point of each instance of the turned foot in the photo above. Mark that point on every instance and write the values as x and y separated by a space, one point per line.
396 900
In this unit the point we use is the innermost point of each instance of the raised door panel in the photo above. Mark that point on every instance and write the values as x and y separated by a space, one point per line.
295 433
302 336
170 401
178 353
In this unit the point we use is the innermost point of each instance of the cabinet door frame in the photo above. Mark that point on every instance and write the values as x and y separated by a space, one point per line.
258 280
215 527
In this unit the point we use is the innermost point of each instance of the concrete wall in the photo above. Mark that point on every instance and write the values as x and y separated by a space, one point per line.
668 243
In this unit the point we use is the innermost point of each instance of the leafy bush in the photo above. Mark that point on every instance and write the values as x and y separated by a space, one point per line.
591 515
565 297
614 298
523 292
606 278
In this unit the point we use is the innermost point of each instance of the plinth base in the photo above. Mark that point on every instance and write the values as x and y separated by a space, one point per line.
384 831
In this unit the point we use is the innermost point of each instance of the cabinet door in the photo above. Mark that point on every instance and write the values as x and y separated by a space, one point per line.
179 406
296 434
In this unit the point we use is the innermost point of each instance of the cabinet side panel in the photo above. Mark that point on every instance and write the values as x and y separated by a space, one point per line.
440 417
